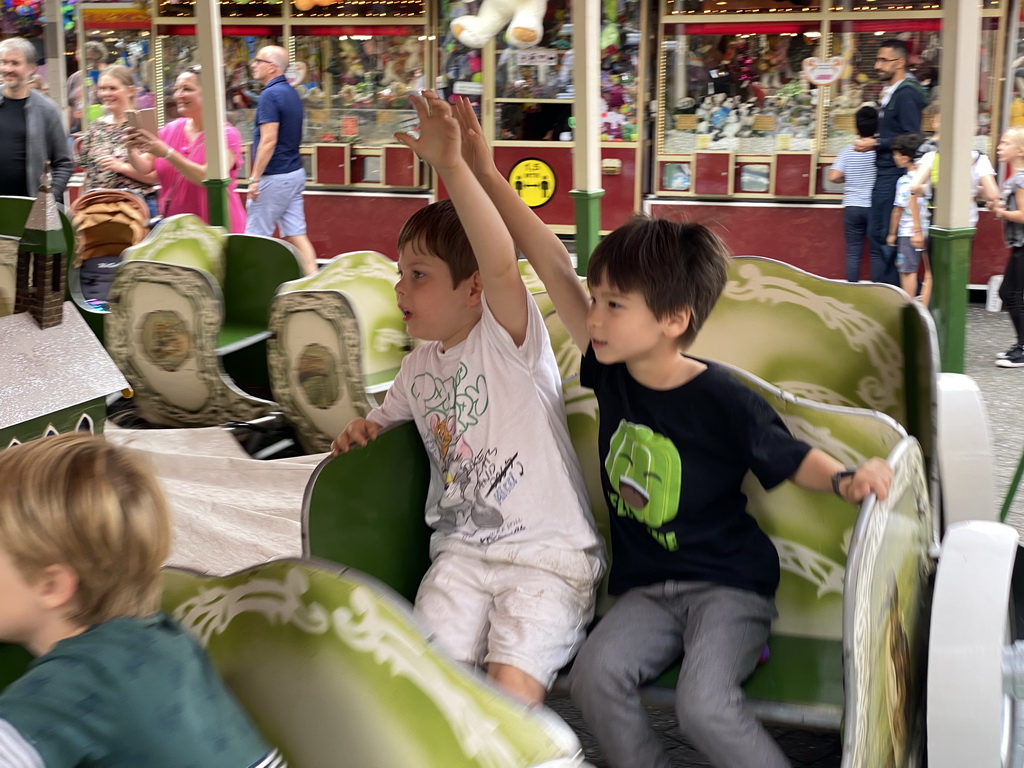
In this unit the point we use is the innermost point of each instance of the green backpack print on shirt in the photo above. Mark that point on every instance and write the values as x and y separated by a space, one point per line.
645 473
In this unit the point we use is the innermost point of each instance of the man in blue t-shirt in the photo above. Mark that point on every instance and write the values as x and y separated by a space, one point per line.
277 179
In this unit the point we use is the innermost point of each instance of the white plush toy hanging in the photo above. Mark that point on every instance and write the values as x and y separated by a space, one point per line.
525 19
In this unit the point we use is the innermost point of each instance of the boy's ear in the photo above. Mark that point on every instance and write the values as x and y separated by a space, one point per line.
677 323
476 288
56 586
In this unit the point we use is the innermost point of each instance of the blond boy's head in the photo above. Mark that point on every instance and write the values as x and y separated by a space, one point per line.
436 230
79 502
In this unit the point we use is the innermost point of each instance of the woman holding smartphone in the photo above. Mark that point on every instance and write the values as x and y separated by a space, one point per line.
103 153
178 155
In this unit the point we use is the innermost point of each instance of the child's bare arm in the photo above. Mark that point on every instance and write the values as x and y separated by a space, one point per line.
894 224
440 145
539 244
917 236
816 470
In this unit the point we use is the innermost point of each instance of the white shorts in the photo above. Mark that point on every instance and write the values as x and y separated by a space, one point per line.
481 613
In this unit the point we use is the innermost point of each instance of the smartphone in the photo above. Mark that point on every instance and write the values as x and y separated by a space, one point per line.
142 118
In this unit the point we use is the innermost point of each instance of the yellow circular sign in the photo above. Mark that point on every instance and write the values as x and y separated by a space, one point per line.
533 180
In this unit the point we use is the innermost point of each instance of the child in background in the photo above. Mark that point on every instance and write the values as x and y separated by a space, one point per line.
695 575
515 554
856 170
1011 211
909 221
84 530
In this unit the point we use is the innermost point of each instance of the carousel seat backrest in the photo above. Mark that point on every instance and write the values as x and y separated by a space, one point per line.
185 303
338 340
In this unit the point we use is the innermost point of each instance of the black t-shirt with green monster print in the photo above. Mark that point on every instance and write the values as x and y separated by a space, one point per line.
678 458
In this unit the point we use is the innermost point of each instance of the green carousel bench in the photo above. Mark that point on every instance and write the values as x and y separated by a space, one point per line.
334 670
188 321
826 644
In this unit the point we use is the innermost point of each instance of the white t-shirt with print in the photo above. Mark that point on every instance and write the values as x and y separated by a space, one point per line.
505 481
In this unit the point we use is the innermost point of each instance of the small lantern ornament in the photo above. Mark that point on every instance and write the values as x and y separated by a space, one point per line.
42 255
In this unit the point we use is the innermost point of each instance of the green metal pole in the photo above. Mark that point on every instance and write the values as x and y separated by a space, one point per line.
1012 490
217 202
950 255
588 224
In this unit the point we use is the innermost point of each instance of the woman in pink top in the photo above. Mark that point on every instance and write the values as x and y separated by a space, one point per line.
178 155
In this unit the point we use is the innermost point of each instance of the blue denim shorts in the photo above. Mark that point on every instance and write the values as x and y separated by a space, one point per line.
279 203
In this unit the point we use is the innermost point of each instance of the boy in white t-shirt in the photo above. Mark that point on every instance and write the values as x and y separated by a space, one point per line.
909 221
516 556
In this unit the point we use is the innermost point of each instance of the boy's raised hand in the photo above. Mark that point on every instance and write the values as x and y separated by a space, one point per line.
475 151
439 141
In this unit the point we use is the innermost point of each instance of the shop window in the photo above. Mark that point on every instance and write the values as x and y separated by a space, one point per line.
858 43
318 9
738 88
533 87
357 87
241 91
103 48
676 177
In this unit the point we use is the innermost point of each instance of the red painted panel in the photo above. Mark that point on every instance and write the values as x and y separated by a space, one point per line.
792 174
811 237
711 172
332 164
619 200
338 222
399 166
559 209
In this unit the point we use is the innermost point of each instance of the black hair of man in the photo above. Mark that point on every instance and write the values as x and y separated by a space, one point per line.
898 47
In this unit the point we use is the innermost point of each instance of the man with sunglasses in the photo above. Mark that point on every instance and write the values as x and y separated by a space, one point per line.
277 179
903 100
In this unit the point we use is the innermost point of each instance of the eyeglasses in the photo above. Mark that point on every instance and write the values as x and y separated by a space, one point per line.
880 60
262 61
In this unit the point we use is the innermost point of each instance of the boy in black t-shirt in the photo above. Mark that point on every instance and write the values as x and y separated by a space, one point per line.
695 574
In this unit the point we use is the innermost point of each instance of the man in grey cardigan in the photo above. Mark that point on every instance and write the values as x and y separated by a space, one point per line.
31 127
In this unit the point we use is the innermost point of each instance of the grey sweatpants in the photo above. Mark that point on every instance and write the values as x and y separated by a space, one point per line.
720 633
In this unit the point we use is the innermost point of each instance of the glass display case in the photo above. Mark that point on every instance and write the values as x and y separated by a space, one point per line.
356 87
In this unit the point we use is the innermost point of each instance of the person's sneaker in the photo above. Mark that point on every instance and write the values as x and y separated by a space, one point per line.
1007 353
1015 359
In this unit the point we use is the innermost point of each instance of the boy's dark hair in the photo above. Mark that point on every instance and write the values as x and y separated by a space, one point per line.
673 265
896 46
907 144
867 121
437 230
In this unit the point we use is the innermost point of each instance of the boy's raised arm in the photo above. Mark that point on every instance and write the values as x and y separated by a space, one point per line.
440 145
539 244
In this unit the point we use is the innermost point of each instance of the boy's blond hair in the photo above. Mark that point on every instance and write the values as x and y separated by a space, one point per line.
78 501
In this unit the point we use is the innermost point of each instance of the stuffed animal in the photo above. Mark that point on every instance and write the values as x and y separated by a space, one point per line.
525 19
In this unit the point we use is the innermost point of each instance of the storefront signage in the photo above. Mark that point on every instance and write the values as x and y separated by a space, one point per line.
533 180
468 88
823 72
536 56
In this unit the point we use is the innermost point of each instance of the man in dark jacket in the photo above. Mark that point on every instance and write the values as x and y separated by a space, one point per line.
903 100
31 127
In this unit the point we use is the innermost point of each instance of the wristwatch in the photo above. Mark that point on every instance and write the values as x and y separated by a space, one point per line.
838 477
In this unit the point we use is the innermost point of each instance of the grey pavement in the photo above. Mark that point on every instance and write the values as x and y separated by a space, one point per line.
1003 391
